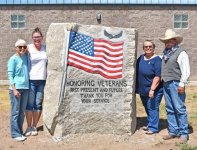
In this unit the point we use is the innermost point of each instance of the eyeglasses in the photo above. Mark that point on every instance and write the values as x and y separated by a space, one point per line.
36 37
148 46
22 47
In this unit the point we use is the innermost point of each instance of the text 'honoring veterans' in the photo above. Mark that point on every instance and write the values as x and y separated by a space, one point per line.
96 91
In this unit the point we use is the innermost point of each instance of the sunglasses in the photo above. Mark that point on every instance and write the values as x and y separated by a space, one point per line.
36 37
148 46
22 47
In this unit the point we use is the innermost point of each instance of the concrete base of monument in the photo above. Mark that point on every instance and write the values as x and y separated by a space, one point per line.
83 94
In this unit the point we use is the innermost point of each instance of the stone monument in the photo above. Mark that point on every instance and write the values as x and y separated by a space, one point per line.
91 80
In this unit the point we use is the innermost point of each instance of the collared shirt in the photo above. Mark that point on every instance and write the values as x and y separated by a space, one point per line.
184 65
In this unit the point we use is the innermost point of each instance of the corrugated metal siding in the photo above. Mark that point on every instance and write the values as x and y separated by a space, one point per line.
189 2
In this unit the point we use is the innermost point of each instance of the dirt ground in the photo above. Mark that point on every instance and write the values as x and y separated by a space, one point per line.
138 141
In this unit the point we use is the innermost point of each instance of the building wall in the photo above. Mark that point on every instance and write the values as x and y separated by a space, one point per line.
150 21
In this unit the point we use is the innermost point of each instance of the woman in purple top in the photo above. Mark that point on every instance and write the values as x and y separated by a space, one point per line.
149 86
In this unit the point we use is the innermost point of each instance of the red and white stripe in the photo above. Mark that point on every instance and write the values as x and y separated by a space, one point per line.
107 60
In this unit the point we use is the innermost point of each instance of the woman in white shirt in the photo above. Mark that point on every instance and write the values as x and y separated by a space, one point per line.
37 75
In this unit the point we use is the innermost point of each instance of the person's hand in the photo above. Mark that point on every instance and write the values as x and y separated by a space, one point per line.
181 90
16 93
151 94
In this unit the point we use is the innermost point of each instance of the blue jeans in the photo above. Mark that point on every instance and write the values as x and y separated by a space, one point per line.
152 109
176 109
18 106
36 95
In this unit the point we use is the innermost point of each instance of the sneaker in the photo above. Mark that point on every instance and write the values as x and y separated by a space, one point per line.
168 137
24 137
28 131
145 128
20 138
150 132
34 131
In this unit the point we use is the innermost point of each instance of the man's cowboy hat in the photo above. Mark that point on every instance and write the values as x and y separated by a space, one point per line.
170 34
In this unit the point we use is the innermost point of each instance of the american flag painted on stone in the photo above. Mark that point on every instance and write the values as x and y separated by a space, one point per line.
97 56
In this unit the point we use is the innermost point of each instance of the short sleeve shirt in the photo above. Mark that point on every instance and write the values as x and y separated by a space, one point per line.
146 71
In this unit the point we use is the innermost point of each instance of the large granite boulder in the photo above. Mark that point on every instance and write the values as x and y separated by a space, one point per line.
84 92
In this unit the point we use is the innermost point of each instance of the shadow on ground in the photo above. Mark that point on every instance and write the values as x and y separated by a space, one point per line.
142 121
40 128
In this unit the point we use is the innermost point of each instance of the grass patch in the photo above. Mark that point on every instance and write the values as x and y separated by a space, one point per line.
191 103
4 98
187 147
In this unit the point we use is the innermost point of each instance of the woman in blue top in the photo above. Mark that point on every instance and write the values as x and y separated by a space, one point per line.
18 75
149 86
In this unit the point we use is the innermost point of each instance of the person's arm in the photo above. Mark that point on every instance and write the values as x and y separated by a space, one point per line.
157 78
11 72
155 83
184 65
15 91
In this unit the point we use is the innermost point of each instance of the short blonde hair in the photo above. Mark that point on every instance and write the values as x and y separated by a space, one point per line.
150 42
20 42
